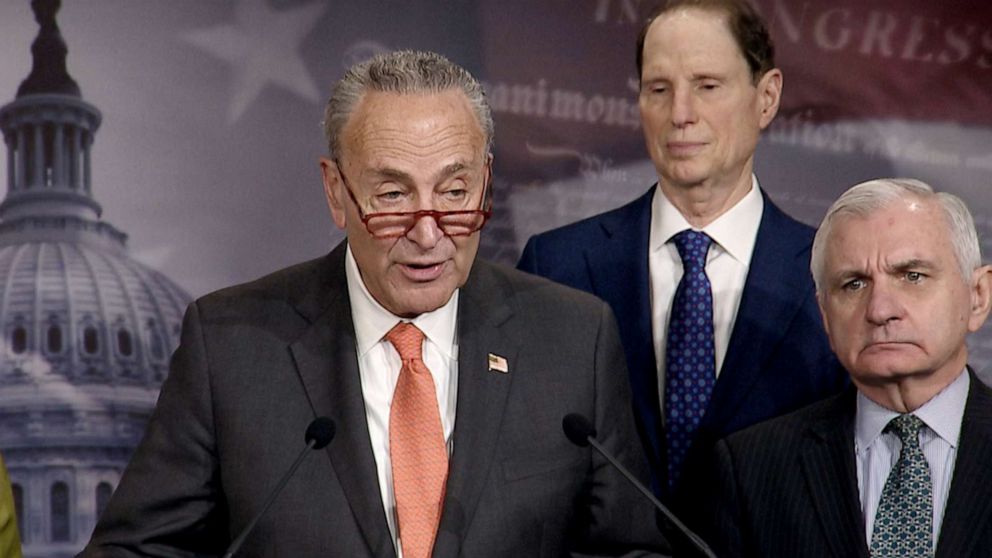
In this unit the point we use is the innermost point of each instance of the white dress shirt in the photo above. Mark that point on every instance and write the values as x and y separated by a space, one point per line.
877 452
727 263
379 367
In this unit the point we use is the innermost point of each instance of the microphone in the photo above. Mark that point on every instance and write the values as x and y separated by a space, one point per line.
582 433
319 433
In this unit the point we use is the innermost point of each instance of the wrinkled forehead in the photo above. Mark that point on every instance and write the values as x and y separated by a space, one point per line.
708 26
896 210
904 229
418 123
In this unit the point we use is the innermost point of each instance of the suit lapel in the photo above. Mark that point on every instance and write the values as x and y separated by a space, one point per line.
777 284
969 505
483 309
618 268
326 359
828 464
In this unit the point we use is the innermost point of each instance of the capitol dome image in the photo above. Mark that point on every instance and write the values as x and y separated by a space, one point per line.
86 332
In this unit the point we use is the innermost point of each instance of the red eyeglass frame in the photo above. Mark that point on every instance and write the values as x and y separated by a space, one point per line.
416 216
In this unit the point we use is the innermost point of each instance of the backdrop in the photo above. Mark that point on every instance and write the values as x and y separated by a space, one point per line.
207 155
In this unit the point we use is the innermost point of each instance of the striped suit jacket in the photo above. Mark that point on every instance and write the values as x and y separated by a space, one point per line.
788 487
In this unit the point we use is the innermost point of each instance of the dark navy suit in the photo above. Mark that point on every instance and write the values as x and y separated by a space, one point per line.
778 358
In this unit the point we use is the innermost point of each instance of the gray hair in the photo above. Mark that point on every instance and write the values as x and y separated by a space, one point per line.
868 197
404 72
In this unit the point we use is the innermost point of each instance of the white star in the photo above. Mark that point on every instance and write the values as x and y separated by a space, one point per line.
262 45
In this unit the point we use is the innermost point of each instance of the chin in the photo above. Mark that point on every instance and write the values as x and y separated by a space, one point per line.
874 371
420 301
687 176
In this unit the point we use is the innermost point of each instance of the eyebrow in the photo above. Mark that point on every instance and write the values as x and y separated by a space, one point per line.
898 267
393 174
450 170
915 263
709 75
654 79
649 80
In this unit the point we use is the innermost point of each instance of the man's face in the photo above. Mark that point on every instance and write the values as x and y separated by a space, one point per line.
893 299
700 109
409 152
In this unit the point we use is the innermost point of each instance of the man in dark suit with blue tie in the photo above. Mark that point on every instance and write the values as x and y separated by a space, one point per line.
736 337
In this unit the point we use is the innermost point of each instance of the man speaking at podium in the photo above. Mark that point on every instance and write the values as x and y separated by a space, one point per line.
447 378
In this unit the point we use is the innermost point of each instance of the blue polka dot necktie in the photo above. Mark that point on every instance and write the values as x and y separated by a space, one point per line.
690 365
904 520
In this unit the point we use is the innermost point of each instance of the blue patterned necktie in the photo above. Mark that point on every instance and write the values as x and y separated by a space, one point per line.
904 520
690 365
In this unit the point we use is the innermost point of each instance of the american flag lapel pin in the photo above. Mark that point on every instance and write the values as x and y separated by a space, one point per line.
498 364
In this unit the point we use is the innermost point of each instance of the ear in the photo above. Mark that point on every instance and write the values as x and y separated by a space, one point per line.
334 190
981 297
769 95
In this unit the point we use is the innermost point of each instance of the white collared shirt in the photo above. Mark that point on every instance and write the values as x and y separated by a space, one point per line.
729 258
379 367
877 452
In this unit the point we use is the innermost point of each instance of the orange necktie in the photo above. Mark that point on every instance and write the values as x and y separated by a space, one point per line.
417 451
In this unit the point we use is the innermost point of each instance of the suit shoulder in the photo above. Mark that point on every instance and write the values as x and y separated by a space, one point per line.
568 234
534 293
785 224
276 288
781 431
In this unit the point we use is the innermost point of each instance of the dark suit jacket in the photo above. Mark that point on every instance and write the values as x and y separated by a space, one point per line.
259 361
778 358
789 487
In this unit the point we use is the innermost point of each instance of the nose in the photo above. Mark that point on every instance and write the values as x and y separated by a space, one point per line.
883 305
683 107
425 233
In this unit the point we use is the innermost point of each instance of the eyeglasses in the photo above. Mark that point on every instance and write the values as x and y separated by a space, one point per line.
399 223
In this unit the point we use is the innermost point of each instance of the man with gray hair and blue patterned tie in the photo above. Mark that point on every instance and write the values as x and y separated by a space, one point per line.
897 465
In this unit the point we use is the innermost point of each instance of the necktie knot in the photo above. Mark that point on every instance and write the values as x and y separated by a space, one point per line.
907 428
692 246
408 340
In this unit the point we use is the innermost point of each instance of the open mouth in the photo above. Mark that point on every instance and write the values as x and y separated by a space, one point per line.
422 271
